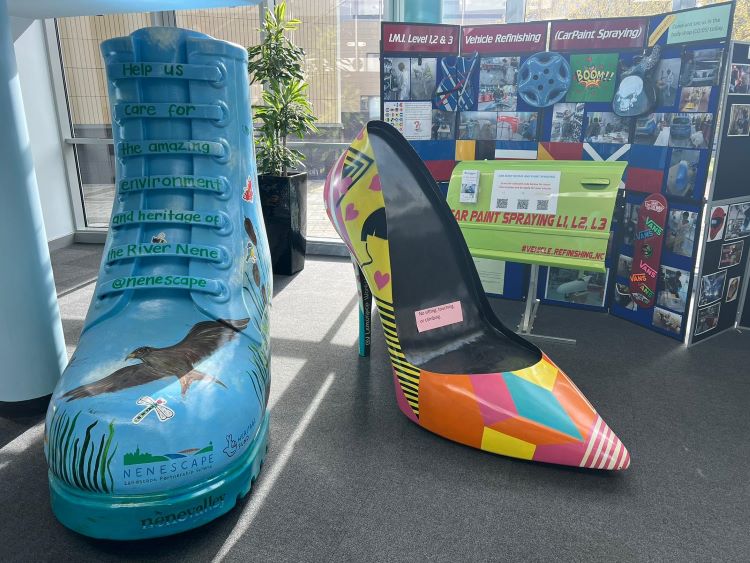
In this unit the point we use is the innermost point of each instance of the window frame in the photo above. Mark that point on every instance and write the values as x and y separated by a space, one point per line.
65 131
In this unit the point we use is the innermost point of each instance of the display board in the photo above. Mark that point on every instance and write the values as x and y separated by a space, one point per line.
641 90
726 235
745 313
669 154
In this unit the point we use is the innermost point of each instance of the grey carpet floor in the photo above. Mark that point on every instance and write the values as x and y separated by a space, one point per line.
349 478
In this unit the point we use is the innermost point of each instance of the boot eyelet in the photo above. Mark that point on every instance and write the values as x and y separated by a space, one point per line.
223 295
224 119
225 192
226 259
226 224
227 151
223 76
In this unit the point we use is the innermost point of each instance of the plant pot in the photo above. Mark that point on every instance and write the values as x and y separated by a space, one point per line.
284 202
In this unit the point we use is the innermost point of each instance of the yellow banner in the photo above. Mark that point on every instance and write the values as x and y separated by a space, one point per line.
661 29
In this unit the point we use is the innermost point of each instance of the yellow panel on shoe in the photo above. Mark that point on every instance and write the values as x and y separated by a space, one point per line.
499 443
543 374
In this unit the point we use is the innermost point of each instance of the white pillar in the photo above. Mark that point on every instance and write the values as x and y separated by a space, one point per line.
32 348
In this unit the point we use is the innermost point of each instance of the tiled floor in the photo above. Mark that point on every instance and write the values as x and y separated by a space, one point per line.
98 205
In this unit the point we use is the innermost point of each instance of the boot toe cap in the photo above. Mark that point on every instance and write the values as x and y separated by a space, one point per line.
151 437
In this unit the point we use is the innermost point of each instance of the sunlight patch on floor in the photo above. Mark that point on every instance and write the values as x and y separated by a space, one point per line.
272 473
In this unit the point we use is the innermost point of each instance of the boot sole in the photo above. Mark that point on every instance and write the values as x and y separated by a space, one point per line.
134 517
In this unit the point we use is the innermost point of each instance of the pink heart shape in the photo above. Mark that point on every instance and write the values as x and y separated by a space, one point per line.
375 184
351 213
381 279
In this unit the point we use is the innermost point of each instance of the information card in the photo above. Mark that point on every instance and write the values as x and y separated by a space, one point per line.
491 274
469 186
527 191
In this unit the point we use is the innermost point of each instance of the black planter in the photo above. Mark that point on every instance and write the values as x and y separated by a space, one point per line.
284 202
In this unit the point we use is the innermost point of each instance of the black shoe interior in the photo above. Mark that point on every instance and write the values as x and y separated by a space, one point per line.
431 267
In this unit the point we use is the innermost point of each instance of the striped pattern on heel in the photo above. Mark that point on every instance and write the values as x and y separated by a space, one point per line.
406 373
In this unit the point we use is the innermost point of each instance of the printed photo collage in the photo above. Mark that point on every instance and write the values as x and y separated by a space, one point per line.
452 98
667 148
475 97
408 88
674 278
672 141
739 113
729 229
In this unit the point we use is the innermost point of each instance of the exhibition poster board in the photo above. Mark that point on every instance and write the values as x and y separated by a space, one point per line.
722 287
745 313
667 149
669 154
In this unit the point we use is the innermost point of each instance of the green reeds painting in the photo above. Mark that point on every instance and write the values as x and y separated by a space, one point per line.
81 462
260 355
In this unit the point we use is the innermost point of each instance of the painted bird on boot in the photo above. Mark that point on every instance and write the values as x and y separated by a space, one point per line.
172 361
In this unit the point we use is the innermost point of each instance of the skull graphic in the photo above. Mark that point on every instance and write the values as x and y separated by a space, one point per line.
630 89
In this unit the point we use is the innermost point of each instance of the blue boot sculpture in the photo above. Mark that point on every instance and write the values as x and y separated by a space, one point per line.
159 422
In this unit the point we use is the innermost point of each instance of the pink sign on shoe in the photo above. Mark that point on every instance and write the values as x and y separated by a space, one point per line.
441 315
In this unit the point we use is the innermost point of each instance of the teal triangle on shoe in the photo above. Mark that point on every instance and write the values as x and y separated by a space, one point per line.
540 405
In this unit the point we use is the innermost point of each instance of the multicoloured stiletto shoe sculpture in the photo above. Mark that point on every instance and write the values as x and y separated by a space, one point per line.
457 370
159 422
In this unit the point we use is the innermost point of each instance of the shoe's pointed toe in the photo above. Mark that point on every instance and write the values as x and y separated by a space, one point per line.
594 444
536 413
604 450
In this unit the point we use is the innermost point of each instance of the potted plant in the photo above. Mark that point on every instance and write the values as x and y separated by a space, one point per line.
276 64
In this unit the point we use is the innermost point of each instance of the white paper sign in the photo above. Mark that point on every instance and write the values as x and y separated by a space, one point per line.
525 191
491 274
469 186
418 121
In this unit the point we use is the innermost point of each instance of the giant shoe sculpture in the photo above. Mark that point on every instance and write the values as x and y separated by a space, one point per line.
159 422
458 371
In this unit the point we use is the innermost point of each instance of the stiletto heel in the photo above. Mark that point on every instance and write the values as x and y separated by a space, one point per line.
459 372
365 310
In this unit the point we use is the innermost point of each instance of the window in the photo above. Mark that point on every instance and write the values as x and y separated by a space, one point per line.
341 40
474 12
579 9
372 62
88 105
